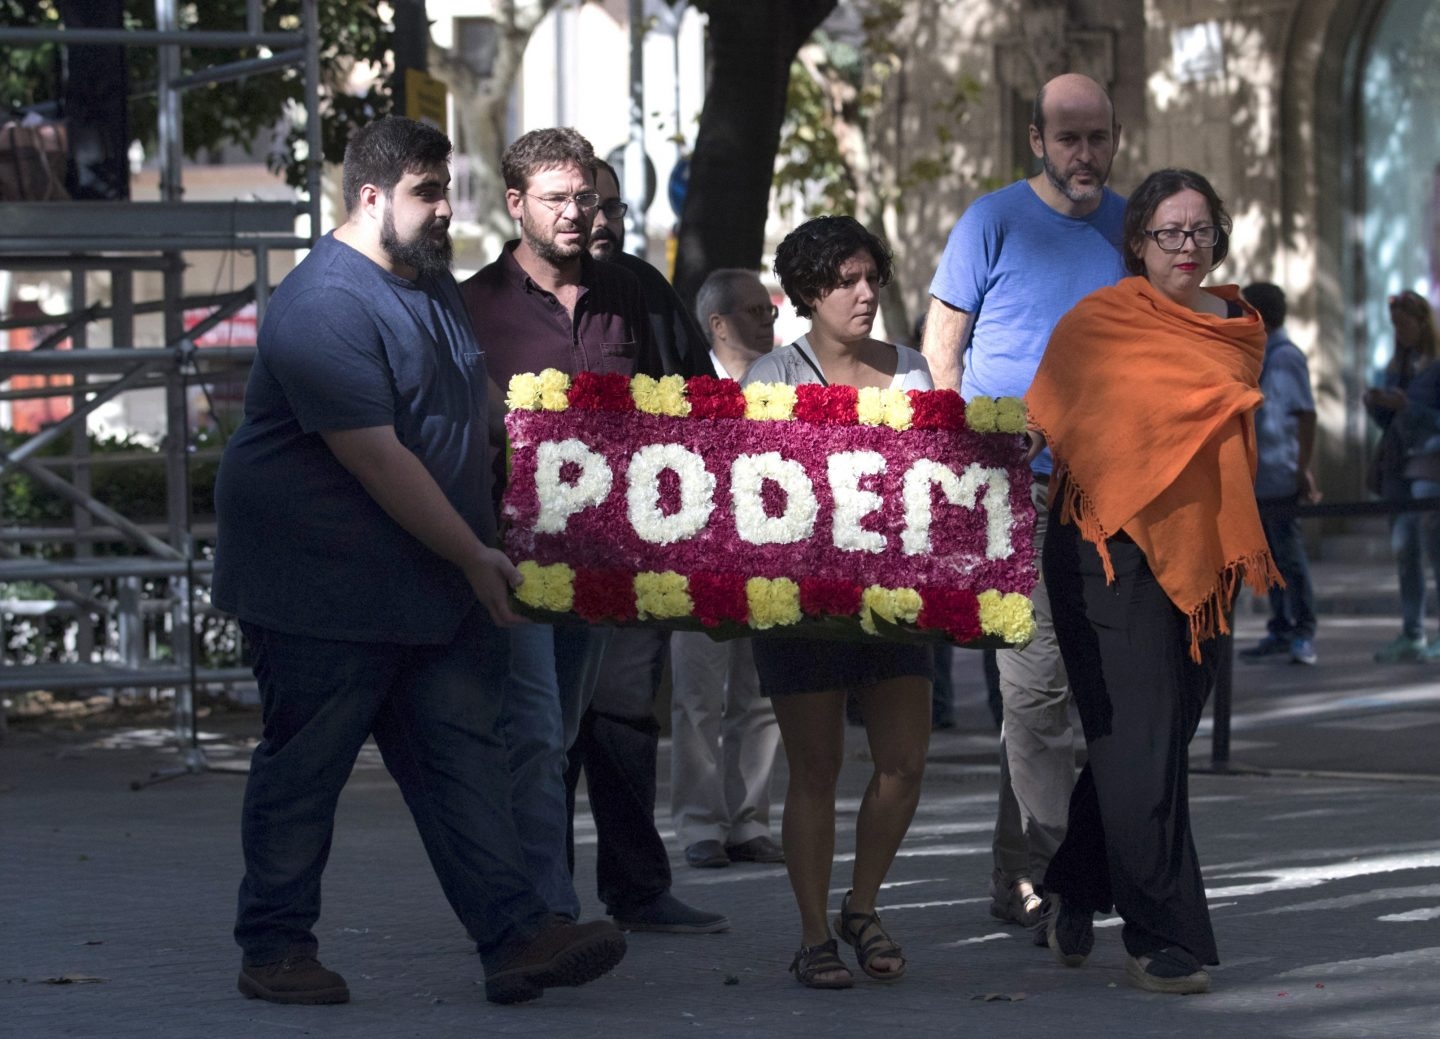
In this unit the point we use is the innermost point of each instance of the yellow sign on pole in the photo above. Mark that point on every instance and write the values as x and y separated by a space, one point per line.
425 99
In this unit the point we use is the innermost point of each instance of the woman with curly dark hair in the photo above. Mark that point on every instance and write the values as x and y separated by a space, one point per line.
832 269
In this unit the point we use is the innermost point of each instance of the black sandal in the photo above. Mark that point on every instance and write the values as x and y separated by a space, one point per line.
865 932
814 960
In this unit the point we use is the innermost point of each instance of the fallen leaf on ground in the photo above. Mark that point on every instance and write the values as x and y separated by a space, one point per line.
72 979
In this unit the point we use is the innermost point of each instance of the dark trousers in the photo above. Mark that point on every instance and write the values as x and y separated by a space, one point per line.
617 747
433 711
1126 649
1292 608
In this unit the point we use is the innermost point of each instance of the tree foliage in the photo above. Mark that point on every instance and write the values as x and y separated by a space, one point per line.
265 109
846 144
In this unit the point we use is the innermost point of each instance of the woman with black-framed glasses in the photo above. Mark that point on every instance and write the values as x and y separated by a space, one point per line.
1146 396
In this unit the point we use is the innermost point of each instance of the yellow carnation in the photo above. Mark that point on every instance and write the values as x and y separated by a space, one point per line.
772 603
895 605
769 400
524 392
554 387
981 414
546 587
662 595
660 396
1011 616
1010 415
884 407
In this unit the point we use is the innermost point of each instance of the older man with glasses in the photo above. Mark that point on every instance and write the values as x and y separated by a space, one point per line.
723 735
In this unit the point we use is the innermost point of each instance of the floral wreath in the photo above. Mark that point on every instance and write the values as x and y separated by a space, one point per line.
804 510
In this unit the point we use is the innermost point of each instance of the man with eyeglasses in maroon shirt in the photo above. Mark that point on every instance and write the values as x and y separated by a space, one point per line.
547 303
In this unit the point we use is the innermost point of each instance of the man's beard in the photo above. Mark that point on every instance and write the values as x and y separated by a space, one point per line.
1074 194
425 254
603 236
547 250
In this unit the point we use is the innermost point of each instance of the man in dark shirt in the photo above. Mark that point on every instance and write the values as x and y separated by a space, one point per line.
355 545
546 303
681 341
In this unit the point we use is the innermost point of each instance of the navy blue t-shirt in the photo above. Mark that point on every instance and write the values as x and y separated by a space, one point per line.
302 547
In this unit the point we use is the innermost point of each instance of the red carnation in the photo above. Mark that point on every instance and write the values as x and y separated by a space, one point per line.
604 595
715 398
718 598
937 409
593 391
827 405
820 597
954 611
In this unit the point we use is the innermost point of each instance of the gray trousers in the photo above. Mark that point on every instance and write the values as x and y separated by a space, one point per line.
724 739
1037 740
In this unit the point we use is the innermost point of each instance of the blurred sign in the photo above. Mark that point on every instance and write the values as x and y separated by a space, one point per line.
679 181
1198 52
425 99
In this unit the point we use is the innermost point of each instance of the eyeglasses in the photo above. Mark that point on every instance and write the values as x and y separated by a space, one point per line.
614 209
585 201
1172 239
760 311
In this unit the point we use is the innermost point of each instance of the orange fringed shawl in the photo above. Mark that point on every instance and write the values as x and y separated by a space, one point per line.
1148 407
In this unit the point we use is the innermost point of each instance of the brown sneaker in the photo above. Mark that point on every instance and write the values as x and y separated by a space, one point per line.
561 955
296 979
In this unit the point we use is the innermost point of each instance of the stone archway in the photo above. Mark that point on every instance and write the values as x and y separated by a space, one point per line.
1321 204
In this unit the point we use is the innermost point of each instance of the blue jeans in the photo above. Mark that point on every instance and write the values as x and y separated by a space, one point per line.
434 711
1413 536
1292 608
548 685
535 740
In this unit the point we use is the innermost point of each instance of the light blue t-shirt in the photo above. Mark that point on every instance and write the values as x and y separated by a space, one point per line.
1285 381
1018 266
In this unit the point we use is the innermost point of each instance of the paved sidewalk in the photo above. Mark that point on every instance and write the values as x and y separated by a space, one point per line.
1325 892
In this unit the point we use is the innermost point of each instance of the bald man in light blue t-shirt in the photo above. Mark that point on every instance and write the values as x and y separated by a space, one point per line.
1017 260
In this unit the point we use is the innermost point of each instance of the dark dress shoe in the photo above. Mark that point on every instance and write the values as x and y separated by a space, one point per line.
756 849
667 914
706 855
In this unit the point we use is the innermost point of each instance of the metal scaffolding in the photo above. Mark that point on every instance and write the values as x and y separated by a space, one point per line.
119 239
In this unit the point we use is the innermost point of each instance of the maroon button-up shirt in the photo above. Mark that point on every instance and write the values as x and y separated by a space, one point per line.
524 328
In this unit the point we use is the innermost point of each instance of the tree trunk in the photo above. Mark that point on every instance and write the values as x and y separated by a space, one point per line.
752 43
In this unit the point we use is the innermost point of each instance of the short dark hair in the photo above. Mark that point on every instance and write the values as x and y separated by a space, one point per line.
546 149
1269 300
382 152
1155 189
809 259
601 164
719 294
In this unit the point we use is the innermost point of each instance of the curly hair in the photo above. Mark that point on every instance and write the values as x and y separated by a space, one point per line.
808 261
382 152
547 149
1145 199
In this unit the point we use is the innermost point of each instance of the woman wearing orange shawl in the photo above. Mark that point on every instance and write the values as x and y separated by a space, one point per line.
1146 396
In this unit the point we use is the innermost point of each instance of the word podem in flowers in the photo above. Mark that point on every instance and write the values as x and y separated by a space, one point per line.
807 509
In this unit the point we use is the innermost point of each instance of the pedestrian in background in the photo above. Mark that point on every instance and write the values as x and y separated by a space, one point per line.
1406 465
1285 447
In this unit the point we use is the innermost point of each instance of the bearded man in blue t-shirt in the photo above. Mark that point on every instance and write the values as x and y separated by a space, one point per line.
1016 261
356 545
